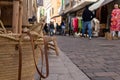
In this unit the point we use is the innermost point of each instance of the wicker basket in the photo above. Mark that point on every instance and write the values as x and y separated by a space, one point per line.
108 36
19 55
11 68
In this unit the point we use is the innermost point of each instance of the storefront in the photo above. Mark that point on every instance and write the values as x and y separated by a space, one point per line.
103 14
71 12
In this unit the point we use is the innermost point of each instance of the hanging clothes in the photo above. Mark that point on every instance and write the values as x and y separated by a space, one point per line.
75 24
80 25
96 26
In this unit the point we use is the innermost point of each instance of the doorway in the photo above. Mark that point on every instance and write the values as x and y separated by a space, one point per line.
102 14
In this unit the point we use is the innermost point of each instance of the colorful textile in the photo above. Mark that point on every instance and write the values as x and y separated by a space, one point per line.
80 25
75 24
115 20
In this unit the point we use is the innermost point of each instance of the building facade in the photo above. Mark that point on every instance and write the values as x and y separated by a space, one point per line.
55 11
52 11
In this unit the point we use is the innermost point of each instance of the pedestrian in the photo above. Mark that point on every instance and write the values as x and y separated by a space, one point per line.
115 21
63 27
87 16
60 30
70 29
46 28
57 28
51 29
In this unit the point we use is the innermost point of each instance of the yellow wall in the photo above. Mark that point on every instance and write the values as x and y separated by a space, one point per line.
55 5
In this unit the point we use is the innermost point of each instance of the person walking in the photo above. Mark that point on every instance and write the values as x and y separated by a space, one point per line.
51 29
57 28
63 28
87 16
46 28
115 21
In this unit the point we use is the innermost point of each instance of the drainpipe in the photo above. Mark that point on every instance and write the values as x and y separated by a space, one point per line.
96 5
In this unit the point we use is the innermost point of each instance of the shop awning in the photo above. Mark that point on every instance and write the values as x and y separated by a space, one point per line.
106 2
99 4
80 5
96 5
83 3
55 16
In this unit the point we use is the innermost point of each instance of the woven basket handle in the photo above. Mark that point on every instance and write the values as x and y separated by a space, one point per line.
20 60
46 57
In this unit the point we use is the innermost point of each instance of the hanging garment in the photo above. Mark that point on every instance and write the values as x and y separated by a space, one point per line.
115 20
75 24
80 25
96 27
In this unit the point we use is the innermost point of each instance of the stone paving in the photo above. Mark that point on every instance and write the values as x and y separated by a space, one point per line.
98 58
62 68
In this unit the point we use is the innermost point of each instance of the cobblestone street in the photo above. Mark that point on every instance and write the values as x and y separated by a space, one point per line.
98 58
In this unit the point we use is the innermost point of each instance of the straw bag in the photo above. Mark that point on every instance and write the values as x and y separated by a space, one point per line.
19 58
19 55
108 36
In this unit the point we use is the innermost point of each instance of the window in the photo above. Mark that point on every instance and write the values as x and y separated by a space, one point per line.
52 10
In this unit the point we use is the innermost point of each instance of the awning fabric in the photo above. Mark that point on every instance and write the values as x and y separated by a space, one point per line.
99 4
55 16
106 2
96 5
80 5
93 7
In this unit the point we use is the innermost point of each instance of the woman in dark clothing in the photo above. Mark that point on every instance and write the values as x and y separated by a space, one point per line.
51 29
46 28
57 28
63 28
